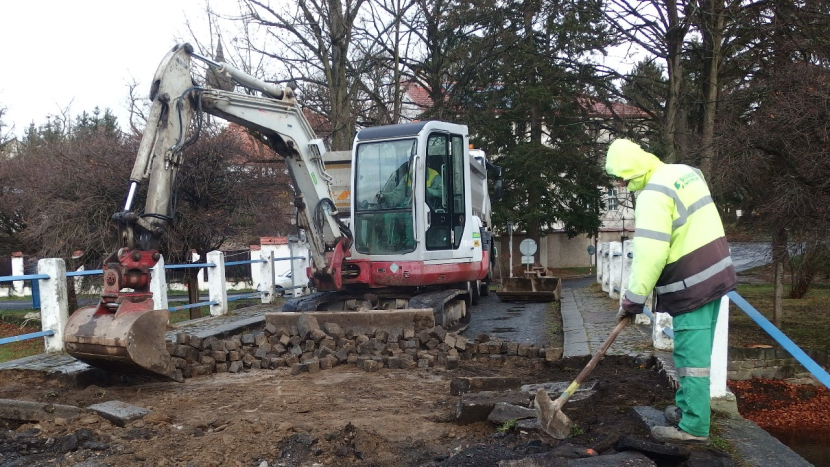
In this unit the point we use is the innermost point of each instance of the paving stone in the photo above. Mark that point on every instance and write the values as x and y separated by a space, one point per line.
503 412
658 452
622 459
460 385
476 406
650 416
118 412
14 409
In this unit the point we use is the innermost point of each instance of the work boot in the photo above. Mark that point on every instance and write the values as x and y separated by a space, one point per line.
670 434
673 414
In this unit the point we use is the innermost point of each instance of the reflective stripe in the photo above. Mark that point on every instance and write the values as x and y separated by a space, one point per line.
693 372
696 278
700 203
684 215
652 234
671 193
638 299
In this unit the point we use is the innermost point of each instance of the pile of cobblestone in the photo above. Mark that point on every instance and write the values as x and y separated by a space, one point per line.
309 347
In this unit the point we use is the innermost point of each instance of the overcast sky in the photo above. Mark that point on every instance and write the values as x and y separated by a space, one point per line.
80 54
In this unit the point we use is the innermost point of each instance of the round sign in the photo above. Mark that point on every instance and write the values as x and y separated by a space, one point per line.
591 249
527 247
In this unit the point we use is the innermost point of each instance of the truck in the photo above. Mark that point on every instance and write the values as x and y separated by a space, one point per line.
417 235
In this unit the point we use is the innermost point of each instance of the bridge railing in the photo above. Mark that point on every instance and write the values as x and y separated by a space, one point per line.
54 305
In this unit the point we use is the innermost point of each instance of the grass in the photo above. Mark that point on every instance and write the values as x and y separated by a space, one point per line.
806 321
20 349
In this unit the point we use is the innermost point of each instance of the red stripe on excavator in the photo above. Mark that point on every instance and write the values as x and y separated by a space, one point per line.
416 273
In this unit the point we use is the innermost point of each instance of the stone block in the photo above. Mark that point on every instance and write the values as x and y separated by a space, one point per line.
119 413
235 366
260 339
313 365
476 406
14 409
553 354
270 329
452 363
503 412
511 348
248 339
461 342
463 385
221 367
306 324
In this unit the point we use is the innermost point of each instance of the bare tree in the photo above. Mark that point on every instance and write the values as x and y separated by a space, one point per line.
660 28
313 41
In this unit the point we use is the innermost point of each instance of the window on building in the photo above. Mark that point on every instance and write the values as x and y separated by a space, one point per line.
611 200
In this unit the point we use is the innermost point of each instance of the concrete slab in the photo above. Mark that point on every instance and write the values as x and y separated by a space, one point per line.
27 411
118 412
363 322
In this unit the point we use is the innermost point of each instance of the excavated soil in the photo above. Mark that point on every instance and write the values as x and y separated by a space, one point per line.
338 417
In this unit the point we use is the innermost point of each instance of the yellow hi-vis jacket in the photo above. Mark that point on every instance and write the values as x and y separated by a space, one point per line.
680 249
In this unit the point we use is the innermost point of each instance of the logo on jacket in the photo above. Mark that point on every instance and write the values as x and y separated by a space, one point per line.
685 180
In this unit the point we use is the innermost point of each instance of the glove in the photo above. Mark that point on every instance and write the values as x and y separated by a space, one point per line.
623 315
628 309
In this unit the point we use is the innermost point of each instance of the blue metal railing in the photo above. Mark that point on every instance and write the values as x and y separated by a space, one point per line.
48 333
23 337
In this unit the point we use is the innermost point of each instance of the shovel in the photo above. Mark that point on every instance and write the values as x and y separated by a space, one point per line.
549 412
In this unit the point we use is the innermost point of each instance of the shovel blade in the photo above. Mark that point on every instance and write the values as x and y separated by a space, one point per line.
554 422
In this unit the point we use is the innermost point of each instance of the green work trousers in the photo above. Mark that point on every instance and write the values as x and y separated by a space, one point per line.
693 335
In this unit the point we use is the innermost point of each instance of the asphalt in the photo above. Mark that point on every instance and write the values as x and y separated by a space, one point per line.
587 322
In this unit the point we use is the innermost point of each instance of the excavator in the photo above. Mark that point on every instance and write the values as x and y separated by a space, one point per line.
418 235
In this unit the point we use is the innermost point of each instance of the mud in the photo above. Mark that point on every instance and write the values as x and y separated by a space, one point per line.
339 417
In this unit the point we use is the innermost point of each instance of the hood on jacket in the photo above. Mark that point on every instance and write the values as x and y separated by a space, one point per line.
627 160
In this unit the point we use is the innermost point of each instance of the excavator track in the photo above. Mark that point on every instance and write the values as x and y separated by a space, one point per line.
383 309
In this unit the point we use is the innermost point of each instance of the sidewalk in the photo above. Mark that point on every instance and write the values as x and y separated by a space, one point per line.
587 320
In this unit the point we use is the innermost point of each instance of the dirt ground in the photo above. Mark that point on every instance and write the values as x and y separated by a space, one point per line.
338 417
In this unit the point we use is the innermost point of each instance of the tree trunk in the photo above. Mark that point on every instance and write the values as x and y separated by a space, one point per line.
712 27
778 310
193 292
779 256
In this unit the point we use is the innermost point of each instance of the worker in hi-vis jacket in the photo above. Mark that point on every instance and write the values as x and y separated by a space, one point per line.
681 253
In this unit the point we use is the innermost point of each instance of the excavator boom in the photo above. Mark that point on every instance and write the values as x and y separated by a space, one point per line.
124 332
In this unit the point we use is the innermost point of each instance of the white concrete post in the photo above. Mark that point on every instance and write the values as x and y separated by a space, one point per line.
606 267
216 284
158 285
17 270
256 268
627 259
615 284
267 283
599 252
720 350
661 340
54 304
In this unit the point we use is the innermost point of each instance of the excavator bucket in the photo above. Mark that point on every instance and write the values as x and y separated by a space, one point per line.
129 341
530 289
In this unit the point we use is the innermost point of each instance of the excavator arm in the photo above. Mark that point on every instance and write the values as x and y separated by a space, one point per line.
125 332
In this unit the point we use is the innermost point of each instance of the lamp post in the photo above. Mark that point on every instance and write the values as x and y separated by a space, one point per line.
510 245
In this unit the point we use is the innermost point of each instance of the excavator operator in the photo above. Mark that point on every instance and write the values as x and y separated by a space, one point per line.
400 195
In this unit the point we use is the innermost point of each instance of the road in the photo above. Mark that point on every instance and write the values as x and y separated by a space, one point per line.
522 322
